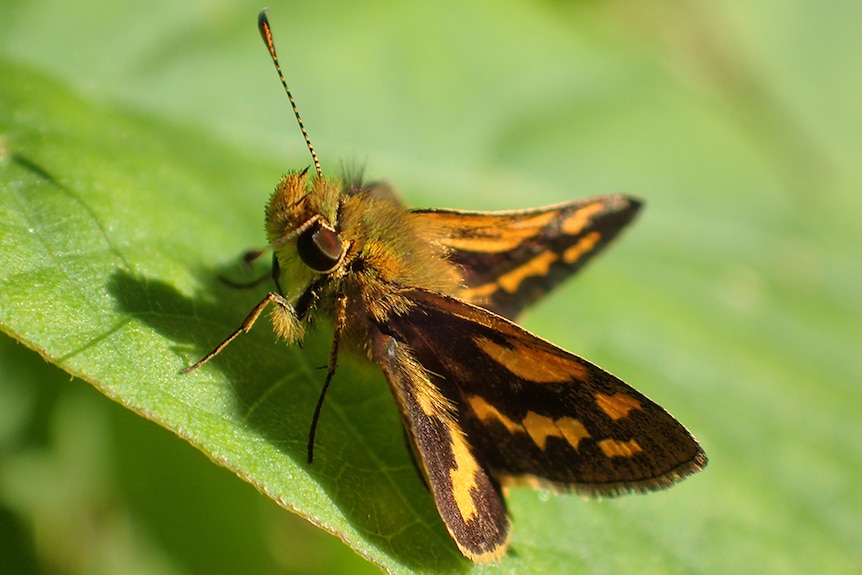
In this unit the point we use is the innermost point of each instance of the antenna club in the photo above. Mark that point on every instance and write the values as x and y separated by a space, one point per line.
263 26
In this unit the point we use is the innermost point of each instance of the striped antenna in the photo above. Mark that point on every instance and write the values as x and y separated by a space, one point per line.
266 34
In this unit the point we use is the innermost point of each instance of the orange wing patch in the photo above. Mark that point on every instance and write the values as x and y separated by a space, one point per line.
581 218
618 405
485 411
539 266
616 448
463 477
538 427
509 282
489 233
585 245
541 428
573 431
533 364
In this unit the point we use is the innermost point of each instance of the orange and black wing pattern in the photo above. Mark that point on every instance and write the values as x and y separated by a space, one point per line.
489 404
511 259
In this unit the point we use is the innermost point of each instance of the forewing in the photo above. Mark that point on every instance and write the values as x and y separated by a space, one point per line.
533 412
510 259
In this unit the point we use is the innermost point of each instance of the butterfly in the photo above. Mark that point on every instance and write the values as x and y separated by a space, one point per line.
430 296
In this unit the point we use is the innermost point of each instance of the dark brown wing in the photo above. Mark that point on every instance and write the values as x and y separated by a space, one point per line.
510 259
468 499
529 410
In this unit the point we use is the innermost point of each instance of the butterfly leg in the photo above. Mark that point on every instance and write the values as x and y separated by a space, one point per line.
247 324
340 320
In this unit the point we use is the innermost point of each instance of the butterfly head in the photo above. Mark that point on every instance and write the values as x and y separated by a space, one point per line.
301 227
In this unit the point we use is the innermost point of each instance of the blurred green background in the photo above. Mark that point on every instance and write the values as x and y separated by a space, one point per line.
733 301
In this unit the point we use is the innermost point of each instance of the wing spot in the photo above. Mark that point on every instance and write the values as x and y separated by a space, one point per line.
616 448
573 431
618 405
585 245
538 266
540 428
533 364
581 218
463 476
495 235
485 411
531 224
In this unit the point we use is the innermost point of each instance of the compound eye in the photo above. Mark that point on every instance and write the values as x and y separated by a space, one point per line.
319 248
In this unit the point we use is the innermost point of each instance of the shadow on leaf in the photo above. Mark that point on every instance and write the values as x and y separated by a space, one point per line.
360 458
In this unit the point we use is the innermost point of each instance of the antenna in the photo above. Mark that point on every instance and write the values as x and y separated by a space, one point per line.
266 34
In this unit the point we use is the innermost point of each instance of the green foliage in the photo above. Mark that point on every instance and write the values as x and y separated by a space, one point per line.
137 150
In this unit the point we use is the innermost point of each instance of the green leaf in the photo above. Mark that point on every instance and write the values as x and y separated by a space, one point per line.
107 237
733 301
